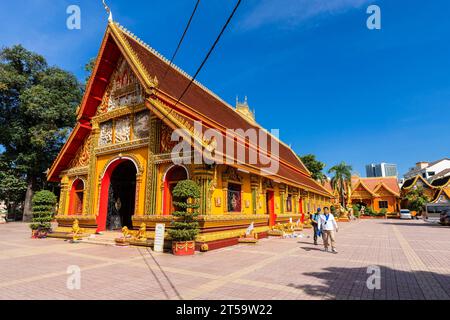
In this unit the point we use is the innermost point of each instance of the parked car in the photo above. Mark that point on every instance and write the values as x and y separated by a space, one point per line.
445 217
405 214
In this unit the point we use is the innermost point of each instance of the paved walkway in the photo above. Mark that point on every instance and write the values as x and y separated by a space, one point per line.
413 257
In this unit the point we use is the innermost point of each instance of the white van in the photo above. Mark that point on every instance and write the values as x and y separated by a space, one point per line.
405 214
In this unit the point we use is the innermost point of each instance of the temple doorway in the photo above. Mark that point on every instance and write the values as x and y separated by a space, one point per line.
270 207
121 196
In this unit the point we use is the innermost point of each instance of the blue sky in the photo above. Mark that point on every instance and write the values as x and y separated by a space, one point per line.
310 68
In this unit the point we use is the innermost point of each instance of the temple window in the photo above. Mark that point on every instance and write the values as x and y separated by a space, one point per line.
383 204
76 197
173 176
234 197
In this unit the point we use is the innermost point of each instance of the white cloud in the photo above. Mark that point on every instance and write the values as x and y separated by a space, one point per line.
294 12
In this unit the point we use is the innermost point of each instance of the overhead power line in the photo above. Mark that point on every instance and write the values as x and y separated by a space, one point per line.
206 57
181 39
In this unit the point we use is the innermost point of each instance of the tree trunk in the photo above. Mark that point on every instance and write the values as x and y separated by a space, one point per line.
27 210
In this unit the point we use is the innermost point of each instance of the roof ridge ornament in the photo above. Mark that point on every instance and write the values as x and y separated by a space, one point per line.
108 10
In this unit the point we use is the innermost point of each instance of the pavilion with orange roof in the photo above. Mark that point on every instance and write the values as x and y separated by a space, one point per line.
377 193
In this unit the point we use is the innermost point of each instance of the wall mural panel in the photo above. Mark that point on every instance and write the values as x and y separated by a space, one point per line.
122 130
105 133
141 125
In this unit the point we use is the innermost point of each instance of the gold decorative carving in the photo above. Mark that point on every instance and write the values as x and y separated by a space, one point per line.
231 173
105 133
81 158
166 142
122 130
141 125
267 183
125 146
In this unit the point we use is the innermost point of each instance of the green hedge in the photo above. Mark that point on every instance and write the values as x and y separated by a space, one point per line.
185 226
43 210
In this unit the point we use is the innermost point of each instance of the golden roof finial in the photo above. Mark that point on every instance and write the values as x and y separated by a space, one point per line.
108 10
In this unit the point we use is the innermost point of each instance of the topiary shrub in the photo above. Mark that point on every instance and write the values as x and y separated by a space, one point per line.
43 209
333 210
356 210
368 211
185 226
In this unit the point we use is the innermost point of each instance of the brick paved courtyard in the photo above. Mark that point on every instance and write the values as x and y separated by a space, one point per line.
414 258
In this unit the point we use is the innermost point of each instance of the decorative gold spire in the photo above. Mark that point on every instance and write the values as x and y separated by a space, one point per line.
108 10
244 110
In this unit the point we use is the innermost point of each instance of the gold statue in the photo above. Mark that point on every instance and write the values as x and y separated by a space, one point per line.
307 222
141 235
76 230
126 233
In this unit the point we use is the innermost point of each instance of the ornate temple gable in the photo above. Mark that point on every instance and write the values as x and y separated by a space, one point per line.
124 89
82 156
418 181
122 116
361 192
383 191
442 196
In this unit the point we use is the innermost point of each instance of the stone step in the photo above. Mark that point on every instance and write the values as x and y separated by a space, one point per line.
107 238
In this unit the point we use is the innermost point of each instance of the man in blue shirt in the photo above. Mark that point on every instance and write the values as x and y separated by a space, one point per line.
314 222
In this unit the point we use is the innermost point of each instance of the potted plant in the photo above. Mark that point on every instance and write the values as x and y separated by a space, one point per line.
43 209
184 226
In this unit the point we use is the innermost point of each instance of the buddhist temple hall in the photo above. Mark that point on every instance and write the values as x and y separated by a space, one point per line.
119 155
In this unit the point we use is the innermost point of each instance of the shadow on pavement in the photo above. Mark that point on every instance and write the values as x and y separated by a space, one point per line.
351 283
318 248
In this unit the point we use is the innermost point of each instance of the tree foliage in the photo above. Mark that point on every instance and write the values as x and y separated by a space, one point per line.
342 176
185 226
37 111
417 199
12 182
314 166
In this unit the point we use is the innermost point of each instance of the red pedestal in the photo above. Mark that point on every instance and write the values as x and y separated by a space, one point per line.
184 248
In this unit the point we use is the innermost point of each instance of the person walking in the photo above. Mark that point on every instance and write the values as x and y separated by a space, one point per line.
314 222
328 226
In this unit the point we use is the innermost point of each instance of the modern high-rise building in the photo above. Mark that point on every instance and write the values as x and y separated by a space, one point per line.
381 170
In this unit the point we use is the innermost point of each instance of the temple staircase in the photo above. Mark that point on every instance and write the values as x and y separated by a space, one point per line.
107 238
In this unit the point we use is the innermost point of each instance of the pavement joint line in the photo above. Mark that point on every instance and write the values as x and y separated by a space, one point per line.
417 265
50 275
383 245
268 285
31 251
10 243
413 259
143 265
215 284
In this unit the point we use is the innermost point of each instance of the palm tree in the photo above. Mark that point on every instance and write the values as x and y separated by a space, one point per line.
342 176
